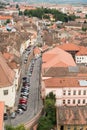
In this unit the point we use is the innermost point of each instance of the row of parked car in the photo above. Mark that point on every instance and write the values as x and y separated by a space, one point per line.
24 95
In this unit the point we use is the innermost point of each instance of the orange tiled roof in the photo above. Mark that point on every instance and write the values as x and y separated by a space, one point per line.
82 51
56 56
37 50
63 82
45 47
7 74
69 47
8 56
1 114
13 65
75 115
5 17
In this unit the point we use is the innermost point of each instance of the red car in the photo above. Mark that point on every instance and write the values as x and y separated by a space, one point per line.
22 101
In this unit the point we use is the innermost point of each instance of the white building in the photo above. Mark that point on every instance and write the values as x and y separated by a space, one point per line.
68 91
4 18
7 83
81 56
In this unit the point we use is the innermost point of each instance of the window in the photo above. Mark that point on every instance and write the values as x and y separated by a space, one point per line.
84 92
74 101
69 92
64 102
79 101
5 92
83 101
68 101
64 92
79 92
68 128
74 92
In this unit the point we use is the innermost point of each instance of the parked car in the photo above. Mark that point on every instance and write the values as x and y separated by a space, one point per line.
5 116
24 94
20 111
13 115
24 78
22 101
29 74
24 90
22 106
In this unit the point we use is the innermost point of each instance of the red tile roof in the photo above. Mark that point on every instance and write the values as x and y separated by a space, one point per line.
37 50
63 82
1 115
69 47
57 56
7 74
8 56
82 51
5 17
76 115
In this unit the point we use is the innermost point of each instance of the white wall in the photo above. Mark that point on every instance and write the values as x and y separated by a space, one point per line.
60 97
10 98
81 59
17 76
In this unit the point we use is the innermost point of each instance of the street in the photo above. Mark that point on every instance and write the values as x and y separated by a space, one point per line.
34 101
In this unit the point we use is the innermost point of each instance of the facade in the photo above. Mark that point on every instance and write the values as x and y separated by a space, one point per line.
81 56
56 57
1 115
3 19
68 91
7 83
70 48
72 118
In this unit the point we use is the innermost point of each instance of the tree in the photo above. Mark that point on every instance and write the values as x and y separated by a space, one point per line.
84 29
20 127
51 96
17 6
20 12
50 110
8 21
86 16
44 124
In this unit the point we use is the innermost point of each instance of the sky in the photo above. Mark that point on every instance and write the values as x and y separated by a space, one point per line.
59 1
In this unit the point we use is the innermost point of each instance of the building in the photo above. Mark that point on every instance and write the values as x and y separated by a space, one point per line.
7 83
81 56
56 57
4 18
1 115
69 91
69 84
70 48
72 118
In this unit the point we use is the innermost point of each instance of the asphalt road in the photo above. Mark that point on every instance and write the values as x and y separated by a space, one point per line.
34 100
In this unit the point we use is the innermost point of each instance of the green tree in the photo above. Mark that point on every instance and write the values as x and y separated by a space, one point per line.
50 110
8 21
20 12
51 96
44 124
86 16
71 17
20 127
44 13
17 6
84 29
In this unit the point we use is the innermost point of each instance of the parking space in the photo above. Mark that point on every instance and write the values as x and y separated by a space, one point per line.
28 101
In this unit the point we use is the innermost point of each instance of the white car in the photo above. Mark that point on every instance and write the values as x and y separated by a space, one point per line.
20 111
